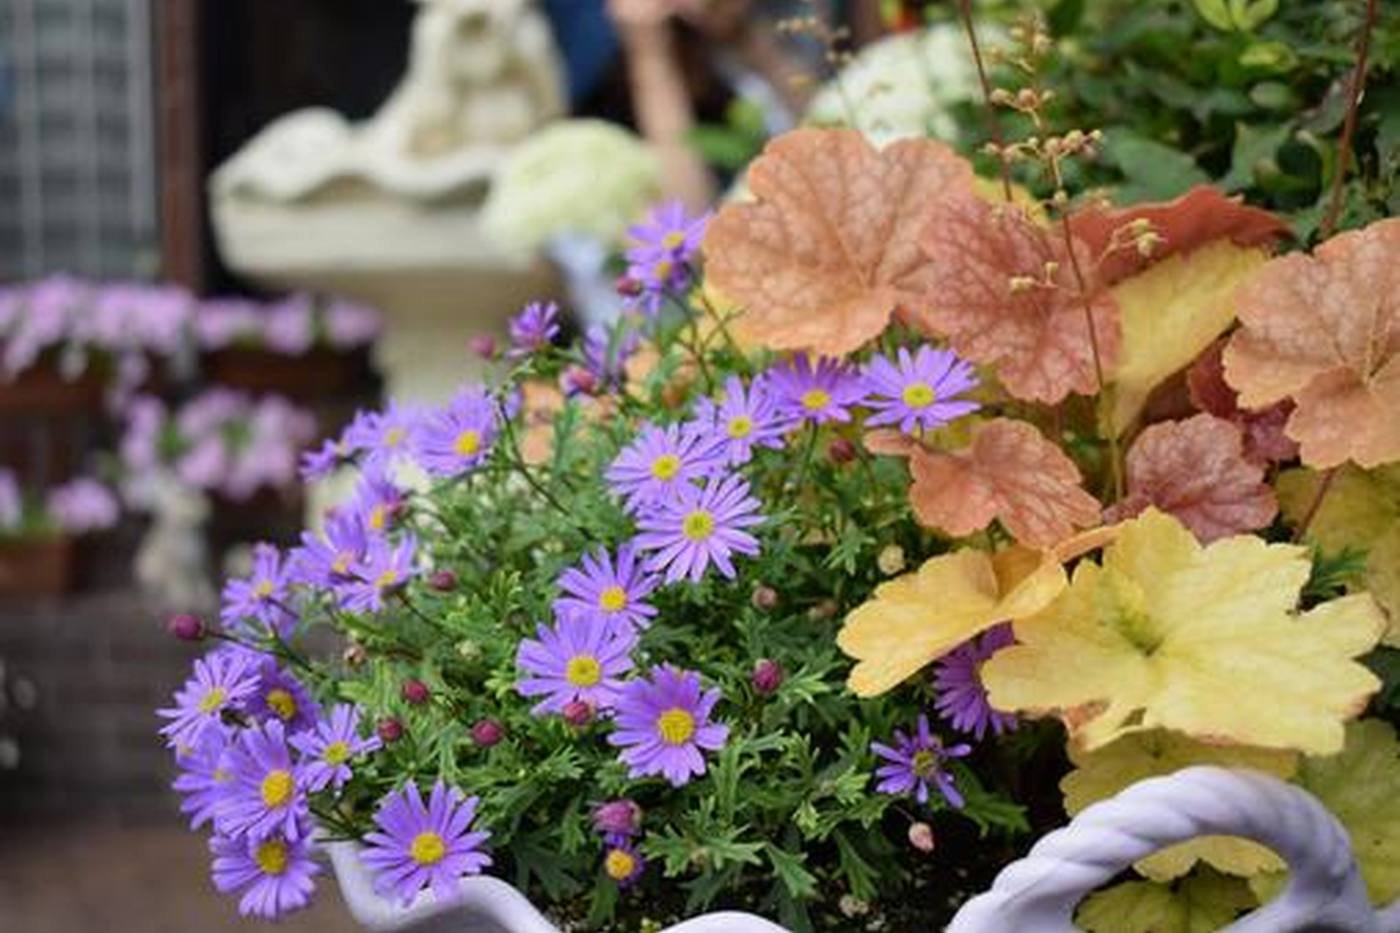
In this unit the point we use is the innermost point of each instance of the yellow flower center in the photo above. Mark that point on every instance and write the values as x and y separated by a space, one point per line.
698 525
666 466
213 700
815 399
619 864
341 564
282 703
393 437
583 670
673 240
676 726
220 776
662 270
277 788
740 426
612 599
918 395
336 753
467 443
378 517
386 579
925 763
271 857
427 848
264 589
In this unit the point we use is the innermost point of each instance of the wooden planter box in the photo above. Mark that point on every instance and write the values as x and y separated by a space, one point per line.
36 567
315 375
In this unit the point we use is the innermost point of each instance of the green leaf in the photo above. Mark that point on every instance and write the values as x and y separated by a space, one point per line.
1215 12
1153 172
1253 147
800 883
1249 15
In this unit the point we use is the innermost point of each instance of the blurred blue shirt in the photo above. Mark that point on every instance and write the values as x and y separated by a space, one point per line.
586 37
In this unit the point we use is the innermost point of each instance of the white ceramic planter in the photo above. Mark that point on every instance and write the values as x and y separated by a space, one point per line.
1037 894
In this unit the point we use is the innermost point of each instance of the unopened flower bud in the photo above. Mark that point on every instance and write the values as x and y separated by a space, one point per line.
576 380
578 713
840 450
354 655
443 580
921 836
890 560
415 692
767 676
764 598
852 906
823 610
488 732
484 346
628 287
390 730
186 626
617 818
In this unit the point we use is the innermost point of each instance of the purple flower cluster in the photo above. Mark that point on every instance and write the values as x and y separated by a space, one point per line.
658 260
82 506
620 822
11 503
252 746
221 441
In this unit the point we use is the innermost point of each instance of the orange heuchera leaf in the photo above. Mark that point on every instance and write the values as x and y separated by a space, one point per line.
1324 330
1008 472
1196 470
1033 331
829 248
1264 440
1198 217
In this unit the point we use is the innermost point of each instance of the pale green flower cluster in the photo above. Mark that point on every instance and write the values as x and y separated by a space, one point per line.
572 177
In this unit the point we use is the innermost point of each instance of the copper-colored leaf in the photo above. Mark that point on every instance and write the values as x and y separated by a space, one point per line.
1324 330
1196 470
1264 440
1198 217
1006 295
1009 472
829 248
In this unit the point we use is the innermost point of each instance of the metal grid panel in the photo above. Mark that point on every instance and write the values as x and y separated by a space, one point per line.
77 172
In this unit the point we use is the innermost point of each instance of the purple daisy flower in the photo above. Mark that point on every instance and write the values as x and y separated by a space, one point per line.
283 698
203 780
663 722
622 862
606 351
386 567
458 437
918 391
424 846
698 526
329 748
745 418
274 875
383 436
261 597
533 329
581 658
962 699
917 761
325 460
266 797
615 592
377 500
661 250
816 395
222 681
335 555
662 460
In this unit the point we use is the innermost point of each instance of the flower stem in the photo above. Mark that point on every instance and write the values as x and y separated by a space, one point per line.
1323 488
1358 83
993 124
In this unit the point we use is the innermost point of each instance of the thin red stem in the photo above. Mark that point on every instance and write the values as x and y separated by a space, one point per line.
993 125
1358 83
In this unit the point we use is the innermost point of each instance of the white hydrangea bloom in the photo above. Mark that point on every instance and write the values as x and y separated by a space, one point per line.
901 87
586 177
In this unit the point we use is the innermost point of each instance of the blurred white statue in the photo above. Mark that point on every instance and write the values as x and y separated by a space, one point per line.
482 75
171 562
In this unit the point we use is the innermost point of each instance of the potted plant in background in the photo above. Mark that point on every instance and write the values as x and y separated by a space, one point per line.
907 514
38 538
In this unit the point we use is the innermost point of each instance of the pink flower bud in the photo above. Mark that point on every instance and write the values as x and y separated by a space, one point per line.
921 836
186 626
416 692
767 676
578 713
390 730
444 580
484 346
488 732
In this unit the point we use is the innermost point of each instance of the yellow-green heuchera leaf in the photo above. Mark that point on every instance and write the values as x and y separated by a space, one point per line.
1204 640
1202 903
